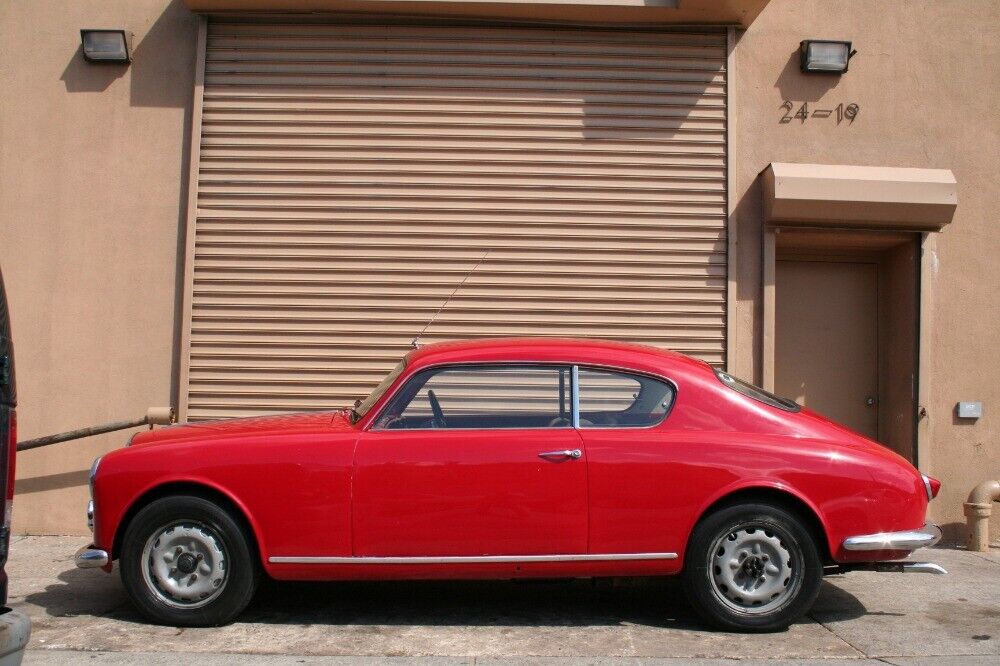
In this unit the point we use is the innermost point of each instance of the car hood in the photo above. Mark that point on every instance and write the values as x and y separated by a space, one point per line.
284 424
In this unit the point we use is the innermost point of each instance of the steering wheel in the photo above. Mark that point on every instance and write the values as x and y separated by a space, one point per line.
439 421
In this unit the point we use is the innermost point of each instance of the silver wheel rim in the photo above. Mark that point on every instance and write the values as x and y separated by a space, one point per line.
752 570
185 564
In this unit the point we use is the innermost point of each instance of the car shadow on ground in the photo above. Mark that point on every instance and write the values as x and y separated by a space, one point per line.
654 602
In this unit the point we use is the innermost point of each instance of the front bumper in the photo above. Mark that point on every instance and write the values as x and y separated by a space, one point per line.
89 557
924 537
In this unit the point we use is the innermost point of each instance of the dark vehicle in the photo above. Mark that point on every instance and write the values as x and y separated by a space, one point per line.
15 625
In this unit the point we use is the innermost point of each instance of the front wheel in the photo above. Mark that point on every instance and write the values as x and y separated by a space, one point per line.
186 562
752 567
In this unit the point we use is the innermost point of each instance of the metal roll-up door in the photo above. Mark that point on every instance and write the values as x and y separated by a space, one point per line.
351 175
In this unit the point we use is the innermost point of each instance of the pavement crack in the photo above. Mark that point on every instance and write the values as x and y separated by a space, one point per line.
838 636
983 557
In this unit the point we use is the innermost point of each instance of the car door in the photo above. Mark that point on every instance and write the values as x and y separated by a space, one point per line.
636 479
477 460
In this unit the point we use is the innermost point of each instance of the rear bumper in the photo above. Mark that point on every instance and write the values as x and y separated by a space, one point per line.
924 537
89 557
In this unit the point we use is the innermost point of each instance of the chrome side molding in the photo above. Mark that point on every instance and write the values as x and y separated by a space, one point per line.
476 559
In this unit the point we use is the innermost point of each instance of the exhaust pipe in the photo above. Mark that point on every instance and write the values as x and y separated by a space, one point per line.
977 513
923 567
888 567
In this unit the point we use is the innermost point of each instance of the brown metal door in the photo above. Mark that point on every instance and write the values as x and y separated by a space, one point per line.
350 175
826 339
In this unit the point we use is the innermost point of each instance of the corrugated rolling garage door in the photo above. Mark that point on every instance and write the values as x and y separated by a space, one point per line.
351 175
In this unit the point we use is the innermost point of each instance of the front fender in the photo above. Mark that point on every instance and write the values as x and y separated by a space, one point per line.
115 508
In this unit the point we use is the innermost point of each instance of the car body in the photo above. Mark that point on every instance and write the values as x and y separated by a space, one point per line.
15 626
541 458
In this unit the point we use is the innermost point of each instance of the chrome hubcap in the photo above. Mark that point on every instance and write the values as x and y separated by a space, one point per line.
752 570
185 564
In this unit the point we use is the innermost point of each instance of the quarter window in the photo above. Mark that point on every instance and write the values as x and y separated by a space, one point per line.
756 392
612 399
478 397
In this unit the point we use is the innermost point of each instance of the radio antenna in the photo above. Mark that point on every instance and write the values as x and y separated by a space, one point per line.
415 343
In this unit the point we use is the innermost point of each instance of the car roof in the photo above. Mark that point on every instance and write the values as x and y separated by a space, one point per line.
553 350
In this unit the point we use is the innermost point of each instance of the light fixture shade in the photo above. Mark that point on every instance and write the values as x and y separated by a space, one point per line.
825 56
106 46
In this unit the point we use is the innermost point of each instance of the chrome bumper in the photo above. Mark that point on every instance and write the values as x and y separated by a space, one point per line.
908 540
89 557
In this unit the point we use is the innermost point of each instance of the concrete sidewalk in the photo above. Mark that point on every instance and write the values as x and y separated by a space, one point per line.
860 618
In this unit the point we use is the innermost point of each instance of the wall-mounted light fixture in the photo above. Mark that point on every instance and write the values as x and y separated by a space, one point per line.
825 56
107 46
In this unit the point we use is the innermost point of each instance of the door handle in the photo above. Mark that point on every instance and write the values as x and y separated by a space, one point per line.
567 453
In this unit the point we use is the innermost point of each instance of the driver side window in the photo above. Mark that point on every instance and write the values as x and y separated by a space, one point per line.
482 397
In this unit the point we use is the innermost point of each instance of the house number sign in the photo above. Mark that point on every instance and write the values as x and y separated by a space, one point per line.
842 112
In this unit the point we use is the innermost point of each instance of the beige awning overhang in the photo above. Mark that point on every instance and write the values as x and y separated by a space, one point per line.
687 12
828 195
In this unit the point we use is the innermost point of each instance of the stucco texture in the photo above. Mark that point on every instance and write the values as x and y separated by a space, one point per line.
92 186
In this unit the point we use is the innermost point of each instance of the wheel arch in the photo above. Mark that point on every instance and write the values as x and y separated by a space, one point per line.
196 489
781 497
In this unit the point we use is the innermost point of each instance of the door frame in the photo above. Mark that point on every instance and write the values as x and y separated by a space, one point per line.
923 343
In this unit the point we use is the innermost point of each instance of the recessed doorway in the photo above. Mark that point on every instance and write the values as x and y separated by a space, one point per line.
826 339
845 329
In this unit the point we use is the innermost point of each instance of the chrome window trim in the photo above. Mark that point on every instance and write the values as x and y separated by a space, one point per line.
574 389
388 397
474 559
461 364
651 375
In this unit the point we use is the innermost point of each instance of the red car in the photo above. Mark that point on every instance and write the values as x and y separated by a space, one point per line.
513 458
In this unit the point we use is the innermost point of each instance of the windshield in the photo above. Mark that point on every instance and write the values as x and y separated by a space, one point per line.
757 393
365 405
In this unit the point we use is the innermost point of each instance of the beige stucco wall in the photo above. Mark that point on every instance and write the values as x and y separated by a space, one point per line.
92 180
925 78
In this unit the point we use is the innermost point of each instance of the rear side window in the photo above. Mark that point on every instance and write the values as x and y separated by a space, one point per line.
757 393
614 399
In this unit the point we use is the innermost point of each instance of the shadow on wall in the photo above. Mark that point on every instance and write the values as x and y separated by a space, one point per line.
82 76
163 59
954 534
38 484
793 85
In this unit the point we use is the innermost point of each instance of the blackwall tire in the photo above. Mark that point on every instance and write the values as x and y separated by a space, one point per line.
752 567
186 562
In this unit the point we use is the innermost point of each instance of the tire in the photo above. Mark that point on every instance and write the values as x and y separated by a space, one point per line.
752 567
186 562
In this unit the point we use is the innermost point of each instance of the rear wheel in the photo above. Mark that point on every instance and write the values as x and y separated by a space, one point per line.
752 567
185 561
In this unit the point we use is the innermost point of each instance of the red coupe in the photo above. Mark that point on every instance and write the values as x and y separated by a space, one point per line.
513 458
